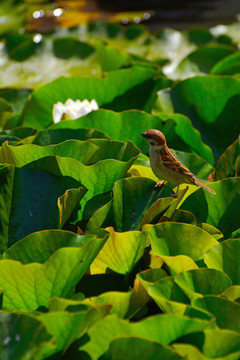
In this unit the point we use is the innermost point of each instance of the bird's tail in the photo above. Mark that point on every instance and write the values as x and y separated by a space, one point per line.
199 183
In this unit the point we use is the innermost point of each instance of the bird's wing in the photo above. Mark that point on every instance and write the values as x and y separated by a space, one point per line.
171 162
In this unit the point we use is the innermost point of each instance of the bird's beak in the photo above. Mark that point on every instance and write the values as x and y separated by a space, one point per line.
144 135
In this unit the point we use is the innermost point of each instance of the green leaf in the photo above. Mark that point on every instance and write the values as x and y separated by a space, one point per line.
67 327
216 233
232 293
227 312
202 281
110 58
4 138
199 99
203 59
132 197
226 166
118 301
224 257
29 202
162 209
198 35
22 155
21 132
34 284
98 178
119 90
128 125
24 337
5 112
56 136
220 210
159 328
183 216
68 202
218 342
39 246
149 277
120 253
6 188
109 149
16 97
229 65
69 46
186 350
133 348
172 239
169 296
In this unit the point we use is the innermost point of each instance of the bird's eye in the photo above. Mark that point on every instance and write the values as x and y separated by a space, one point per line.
152 142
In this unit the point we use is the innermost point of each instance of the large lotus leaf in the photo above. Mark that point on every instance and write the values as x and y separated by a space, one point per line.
110 58
236 234
135 348
29 202
183 216
215 343
4 138
132 197
118 301
56 136
39 246
220 210
121 252
122 303
216 233
162 209
128 125
169 296
34 284
112 149
22 155
142 170
69 46
86 152
189 351
171 239
225 257
199 35
68 202
208 101
229 65
227 312
68 326
6 181
232 293
21 132
119 90
192 352
98 178
202 59
204 281
160 328
226 166
24 337
151 276
16 97
5 112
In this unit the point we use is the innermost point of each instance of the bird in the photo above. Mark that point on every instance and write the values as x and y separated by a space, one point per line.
165 165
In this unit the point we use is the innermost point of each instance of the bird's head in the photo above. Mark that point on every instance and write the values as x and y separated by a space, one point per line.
155 138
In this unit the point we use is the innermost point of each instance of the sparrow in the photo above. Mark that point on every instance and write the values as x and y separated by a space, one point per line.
165 165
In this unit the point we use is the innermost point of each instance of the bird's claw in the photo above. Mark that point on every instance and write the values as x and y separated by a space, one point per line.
160 184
